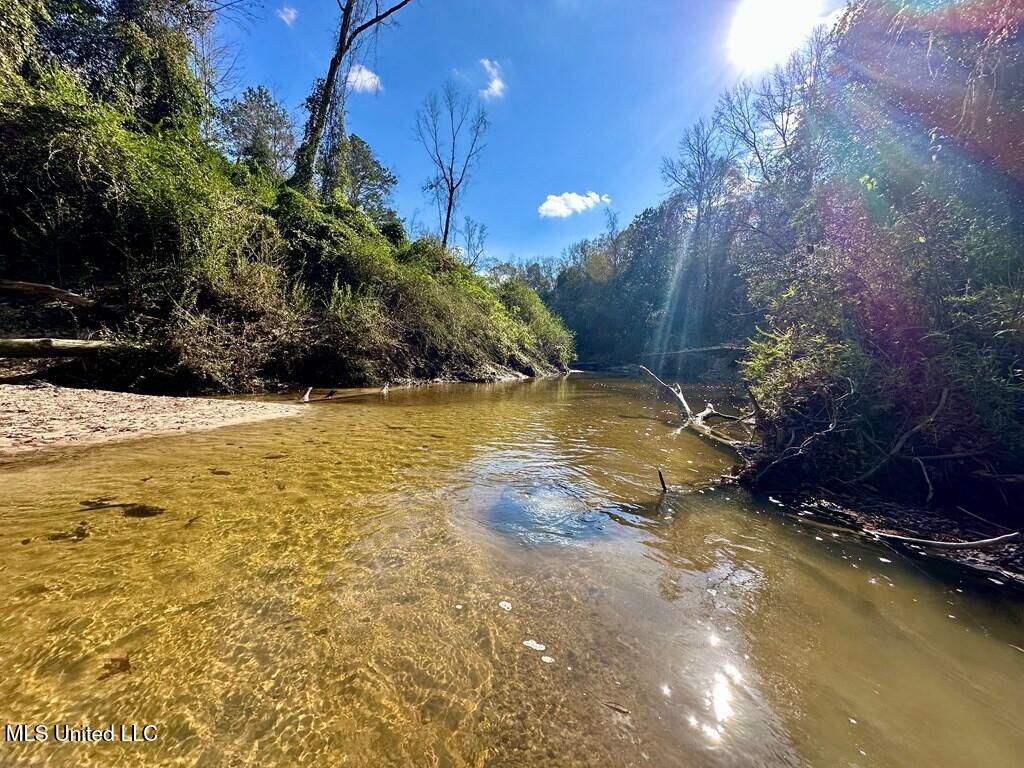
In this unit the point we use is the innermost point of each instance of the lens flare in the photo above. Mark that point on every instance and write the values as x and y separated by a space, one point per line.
765 32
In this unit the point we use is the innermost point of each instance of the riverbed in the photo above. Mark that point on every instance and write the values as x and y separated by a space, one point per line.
468 575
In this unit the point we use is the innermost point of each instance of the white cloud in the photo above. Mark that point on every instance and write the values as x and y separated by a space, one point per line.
362 79
495 85
568 203
287 14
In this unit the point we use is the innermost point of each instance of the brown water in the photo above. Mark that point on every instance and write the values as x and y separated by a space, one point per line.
328 591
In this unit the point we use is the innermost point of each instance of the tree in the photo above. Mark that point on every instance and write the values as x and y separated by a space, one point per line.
257 129
370 182
357 17
474 237
215 63
133 53
452 133
331 168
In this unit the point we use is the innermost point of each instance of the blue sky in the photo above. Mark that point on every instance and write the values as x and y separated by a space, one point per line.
593 94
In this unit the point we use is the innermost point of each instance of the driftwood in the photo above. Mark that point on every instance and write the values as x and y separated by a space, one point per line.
41 289
696 421
698 350
927 543
999 478
933 544
52 347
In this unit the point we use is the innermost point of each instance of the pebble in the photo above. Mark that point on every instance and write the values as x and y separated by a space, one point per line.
534 645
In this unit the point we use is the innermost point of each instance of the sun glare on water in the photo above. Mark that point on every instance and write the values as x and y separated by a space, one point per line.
765 32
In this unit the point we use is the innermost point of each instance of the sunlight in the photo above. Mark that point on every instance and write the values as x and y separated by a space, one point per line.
765 32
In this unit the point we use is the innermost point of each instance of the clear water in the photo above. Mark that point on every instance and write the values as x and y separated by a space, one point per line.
328 590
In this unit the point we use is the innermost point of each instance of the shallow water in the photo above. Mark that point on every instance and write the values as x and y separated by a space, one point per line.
355 587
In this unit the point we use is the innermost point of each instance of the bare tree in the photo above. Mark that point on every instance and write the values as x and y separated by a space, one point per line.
474 236
215 61
741 116
452 133
357 17
700 172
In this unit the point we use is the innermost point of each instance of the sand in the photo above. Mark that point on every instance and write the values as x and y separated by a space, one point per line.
34 417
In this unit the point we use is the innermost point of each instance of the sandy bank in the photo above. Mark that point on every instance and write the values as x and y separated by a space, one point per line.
44 416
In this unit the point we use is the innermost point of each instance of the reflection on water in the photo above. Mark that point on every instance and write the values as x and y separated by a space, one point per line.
475 575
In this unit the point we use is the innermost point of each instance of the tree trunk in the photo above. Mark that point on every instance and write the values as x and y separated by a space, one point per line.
448 219
698 350
52 347
305 157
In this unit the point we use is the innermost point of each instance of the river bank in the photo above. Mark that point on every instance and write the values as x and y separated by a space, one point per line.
40 416
886 522
941 532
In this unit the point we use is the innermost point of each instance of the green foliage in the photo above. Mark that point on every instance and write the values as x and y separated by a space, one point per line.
640 289
893 343
133 55
428 253
859 214
353 173
17 40
224 278
322 242
104 198
548 336
256 130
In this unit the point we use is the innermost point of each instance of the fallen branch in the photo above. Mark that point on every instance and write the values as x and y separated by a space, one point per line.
52 347
999 478
698 350
691 420
675 391
927 480
898 445
71 299
41 289
710 412
759 417
979 544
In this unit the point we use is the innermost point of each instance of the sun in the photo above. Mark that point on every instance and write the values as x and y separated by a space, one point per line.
765 32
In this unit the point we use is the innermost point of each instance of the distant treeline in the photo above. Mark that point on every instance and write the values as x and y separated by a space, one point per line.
239 254
858 216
